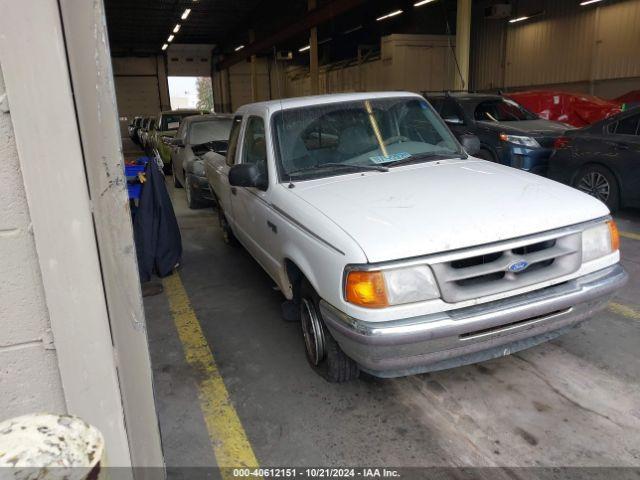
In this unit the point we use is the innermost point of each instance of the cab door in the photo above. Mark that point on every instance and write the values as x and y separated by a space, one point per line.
251 206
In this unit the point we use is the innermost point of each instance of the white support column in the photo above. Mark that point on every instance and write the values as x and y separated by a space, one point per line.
36 72
463 44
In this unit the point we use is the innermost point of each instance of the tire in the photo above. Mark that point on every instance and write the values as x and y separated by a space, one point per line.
599 182
167 169
322 351
193 200
176 182
485 155
227 234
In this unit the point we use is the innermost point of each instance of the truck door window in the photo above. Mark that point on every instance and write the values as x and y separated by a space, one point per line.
254 147
233 140
450 113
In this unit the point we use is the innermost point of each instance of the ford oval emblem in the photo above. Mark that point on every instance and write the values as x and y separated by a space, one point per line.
518 266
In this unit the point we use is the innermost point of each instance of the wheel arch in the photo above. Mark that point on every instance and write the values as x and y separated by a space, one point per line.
595 163
296 268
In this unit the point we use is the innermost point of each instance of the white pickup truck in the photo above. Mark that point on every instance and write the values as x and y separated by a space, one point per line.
401 252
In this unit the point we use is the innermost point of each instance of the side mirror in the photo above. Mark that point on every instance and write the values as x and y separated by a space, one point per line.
247 175
453 121
470 143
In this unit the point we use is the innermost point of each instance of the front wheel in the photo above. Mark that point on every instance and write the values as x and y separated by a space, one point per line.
193 198
323 353
600 183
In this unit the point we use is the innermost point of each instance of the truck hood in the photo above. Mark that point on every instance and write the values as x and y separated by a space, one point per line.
439 206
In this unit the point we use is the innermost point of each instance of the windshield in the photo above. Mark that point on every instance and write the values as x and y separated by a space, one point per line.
210 130
502 110
339 138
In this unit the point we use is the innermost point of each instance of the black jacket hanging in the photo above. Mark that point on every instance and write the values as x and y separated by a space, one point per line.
155 228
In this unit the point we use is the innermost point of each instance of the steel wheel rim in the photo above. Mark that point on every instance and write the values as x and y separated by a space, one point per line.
312 332
596 185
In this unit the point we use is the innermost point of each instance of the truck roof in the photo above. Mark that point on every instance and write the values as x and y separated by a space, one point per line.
272 106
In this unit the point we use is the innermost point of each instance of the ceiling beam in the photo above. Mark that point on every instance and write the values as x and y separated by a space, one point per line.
312 19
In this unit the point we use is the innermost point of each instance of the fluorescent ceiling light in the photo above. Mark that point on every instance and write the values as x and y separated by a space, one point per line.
186 13
305 48
176 29
354 29
422 2
238 48
325 40
587 2
164 47
518 19
170 38
389 15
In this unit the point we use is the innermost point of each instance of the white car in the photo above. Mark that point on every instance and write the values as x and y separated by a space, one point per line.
402 253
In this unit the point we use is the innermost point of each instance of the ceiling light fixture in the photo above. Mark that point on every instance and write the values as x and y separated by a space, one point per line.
170 38
305 48
186 13
176 29
518 19
165 46
389 15
588 2
423 2
351 30
238 48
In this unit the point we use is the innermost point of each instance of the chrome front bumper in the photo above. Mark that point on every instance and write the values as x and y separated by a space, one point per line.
473 334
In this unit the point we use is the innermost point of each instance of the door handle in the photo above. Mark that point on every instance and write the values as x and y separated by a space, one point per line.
234 191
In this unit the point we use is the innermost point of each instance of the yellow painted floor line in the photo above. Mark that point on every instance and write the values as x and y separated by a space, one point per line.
228 438
624 310
633 236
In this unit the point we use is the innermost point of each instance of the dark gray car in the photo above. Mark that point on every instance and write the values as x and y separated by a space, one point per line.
508 133
196 136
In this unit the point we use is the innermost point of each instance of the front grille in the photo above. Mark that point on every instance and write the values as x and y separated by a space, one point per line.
485 271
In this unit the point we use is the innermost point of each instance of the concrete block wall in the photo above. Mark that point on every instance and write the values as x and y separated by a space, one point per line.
29 376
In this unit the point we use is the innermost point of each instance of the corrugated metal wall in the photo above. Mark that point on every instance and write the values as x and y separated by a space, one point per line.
407 62
568 44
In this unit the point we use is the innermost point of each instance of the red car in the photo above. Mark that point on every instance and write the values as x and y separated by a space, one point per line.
576 109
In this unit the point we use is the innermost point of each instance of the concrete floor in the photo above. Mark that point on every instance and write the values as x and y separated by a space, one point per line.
572 402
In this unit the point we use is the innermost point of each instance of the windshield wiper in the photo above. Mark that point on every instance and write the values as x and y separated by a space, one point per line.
424 157
377 168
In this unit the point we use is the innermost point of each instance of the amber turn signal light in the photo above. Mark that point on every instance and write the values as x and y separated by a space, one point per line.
615 236
366 289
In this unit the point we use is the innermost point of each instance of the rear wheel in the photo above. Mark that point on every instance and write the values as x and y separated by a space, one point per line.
323 352
227 234
600 183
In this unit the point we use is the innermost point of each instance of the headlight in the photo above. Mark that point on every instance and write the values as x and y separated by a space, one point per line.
520 140
382 288
197 168
599 241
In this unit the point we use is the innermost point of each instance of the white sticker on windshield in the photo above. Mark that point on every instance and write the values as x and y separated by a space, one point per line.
173 125
390 158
